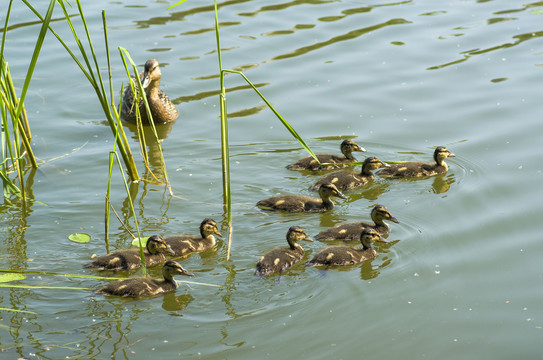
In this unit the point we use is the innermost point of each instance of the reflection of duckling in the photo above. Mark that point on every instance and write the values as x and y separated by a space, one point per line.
345 255
351 231
128 259
146 286
161 107
186 244
419 169
280 259
309 163
346 180
299 203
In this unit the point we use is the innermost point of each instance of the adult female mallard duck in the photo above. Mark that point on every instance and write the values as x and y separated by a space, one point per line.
351 231
162 109
146 286
419 169
345 255
128 259
300 203
280 259
186 244
346 180
337 161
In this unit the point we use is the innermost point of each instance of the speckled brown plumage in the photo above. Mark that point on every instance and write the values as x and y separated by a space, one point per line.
337 161
128 259
419 169
346 180
300 203
162 109
146 286
186 244
279 259
351 231
345 255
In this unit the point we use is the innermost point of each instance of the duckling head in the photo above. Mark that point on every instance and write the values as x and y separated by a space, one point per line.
372 163
369 236
171 268
441 153
209 227
157 245
327 190
151 72
348 146
295 234
380 212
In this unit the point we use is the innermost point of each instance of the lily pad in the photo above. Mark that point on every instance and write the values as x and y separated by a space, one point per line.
136 242
11 277
81 238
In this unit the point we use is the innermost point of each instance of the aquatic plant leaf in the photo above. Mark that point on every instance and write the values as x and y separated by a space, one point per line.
81 238
136 242
11 277
14 310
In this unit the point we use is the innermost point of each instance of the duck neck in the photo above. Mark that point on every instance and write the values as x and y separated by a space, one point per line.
295 246
327 202
349 155
168 277
366 170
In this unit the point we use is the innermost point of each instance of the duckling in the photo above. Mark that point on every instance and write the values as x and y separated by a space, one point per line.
300 203
146 286
128 259
280 259
419 169
351 231
161 107
346 180
309 163
345 255
186 244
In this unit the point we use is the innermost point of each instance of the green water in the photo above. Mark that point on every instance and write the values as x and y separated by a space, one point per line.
463 278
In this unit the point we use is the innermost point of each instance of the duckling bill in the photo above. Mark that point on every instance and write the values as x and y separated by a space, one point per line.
146 286
419 169
129 259
347 147
279 259
300 203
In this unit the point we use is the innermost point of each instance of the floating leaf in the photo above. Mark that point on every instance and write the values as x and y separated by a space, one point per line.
11 277
136 242
80 238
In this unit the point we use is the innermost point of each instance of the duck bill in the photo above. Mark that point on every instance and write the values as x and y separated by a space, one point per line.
394 220
216 232
146 81
169 250
307 238
384 164
381 240
451 155
339 194
186 273
360 148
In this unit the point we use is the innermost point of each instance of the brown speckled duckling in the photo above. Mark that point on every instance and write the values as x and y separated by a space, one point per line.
161 107
128 259
351 231
300 203
309 163
146 286
186 244
346 255
419 169
280 259
346 180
